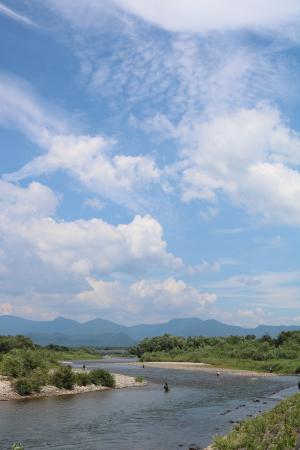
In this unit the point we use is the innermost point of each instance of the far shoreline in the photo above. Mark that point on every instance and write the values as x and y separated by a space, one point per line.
203 367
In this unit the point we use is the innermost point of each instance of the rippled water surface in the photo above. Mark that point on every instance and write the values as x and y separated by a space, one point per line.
198 406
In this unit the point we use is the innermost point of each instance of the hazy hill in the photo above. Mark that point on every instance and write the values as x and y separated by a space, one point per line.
101 332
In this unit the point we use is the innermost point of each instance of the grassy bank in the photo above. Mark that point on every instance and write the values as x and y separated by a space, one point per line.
280 354
282 366
278 429
75 355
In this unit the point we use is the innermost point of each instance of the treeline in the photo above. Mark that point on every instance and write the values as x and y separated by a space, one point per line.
30 367
8 343
285 347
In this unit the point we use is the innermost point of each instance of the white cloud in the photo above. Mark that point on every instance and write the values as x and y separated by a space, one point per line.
15 16
44 260
94 203
188 15
81 246
205 266
214 15
20 204
145 300
252 156
89 159
271 291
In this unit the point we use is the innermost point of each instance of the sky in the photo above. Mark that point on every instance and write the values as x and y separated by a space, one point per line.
150 160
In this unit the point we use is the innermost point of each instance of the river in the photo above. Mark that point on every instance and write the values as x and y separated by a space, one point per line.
198 405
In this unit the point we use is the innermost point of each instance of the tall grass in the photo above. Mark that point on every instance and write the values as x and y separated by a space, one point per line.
277 429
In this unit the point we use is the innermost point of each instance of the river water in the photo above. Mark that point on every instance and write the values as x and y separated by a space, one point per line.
198 406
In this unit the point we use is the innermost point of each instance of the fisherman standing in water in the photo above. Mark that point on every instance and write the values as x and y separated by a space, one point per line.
166 387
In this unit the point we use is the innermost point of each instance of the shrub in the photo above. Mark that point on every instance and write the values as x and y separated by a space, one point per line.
63 377
23 386
82 378
102 377
39 377
21 362
139 379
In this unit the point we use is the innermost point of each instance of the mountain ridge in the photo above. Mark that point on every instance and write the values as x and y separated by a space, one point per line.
102 332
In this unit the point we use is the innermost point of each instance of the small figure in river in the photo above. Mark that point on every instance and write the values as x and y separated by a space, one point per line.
271 369
143 366
166 387
83 366
218 373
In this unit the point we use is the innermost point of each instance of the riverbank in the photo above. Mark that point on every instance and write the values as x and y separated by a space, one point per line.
278 428
7 392
202 367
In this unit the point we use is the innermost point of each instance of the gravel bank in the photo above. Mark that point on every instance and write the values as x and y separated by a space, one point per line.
7 393
203 367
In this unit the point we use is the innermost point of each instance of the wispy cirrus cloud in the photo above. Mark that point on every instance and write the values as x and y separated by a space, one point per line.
8 12
188 15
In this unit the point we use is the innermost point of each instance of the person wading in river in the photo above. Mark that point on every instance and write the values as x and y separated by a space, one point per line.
166 387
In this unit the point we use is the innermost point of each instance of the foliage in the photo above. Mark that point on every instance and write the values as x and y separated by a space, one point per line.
101 377
8 343
21 362
82 378
23 386
139 379
277 429
63 377
281 353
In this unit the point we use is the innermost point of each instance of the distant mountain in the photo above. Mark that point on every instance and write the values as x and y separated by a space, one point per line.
94 340
104 333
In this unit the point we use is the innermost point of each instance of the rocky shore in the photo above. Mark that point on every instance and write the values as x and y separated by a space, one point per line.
7 393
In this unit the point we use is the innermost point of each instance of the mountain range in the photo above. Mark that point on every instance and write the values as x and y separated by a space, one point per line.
104 333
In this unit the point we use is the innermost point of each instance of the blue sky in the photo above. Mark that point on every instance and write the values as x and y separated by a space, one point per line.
150 156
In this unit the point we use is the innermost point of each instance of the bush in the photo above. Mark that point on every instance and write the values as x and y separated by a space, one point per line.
139 379
82 378
23 386
21 362
39 377
102 377
63 378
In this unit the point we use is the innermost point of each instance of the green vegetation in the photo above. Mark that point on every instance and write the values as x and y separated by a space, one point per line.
139 379
63 378
281 354
277 429
101 377
82 378
74 353
21 362
30 366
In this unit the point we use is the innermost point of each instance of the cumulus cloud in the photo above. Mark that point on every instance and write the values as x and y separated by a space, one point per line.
52 264
89 159
81 246
155 300
252 156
